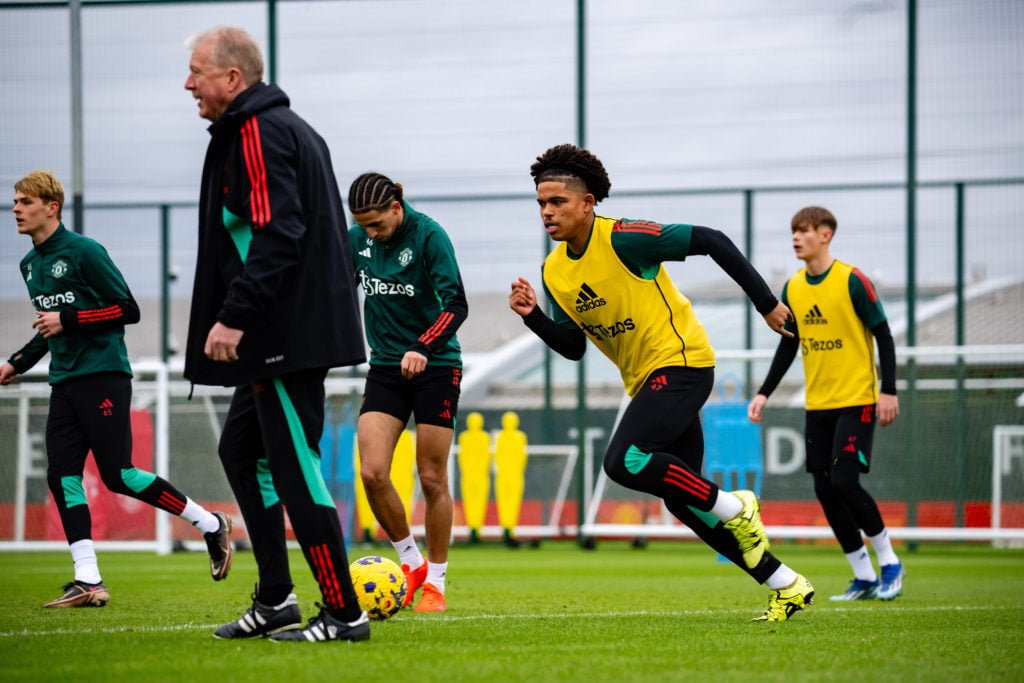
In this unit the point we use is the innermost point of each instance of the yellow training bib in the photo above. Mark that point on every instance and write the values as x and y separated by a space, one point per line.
639 324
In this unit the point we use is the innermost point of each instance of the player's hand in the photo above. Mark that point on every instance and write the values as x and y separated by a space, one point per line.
222 343
413 363
888 409
755 410
523 299
778 317
7 373
48 324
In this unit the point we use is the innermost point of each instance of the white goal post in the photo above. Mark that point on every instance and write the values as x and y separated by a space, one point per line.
1007 446
552 525
27 466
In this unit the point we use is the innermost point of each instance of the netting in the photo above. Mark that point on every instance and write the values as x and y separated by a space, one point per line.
951 467
731 115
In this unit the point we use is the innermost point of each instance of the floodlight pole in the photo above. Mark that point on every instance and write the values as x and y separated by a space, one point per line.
77 180
911 192
581 366
271 41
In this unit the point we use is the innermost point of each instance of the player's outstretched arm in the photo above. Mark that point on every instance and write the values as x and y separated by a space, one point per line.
567 342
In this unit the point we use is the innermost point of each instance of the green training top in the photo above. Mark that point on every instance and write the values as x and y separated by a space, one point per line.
414 297
74 274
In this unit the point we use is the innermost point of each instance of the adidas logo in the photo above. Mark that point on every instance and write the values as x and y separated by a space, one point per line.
815 317
107 403
658 383
587 299
107 407
446 414
365 252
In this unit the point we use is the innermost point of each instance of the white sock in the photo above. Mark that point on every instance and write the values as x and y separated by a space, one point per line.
83 553
199 517
883 548
860 561
783 577
435 575
726 506
408 552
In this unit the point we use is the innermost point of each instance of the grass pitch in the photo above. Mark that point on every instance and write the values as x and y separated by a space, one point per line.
665 613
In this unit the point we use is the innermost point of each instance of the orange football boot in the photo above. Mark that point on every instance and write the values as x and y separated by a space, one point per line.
414 578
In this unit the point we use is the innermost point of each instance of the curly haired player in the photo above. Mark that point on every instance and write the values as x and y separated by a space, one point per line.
606 282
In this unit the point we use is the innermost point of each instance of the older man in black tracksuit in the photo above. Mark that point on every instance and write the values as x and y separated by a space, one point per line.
273 308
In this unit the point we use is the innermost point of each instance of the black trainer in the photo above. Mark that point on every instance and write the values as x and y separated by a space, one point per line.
327 627
263 620
82 594
218 544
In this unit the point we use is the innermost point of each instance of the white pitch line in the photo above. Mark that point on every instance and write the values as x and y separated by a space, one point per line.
509 617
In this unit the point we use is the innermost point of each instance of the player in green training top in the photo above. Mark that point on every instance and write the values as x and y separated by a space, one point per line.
82 305
606 282
837 314
414 302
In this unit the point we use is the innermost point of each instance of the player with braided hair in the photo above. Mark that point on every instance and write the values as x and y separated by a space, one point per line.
606 281
414 302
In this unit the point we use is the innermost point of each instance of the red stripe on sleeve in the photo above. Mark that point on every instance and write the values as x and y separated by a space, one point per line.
256 167
100 314
439 326
868 287
646 227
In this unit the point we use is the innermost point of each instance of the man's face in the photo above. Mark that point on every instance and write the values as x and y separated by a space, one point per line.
209 84
380 224
809 241
33 215
567 212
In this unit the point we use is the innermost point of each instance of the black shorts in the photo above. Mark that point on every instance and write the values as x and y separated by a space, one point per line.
839 434
664 415
432 396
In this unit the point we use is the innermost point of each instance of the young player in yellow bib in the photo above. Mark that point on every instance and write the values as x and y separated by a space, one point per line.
837 313
606 281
